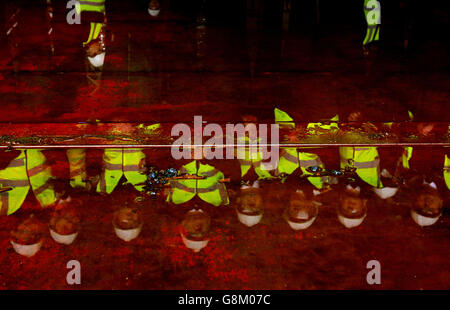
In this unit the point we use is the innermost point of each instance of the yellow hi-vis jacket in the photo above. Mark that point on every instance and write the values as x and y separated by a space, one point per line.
118 162
26 170
252 156
447 171
208 189
92 6
77 167
290 159
366 161
372 14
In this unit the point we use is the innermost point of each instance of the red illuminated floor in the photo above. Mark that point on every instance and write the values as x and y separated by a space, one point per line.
156 72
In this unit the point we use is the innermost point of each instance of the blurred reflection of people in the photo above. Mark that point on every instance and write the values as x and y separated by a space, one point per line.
303 208
352 207
195 229
29 170
250 206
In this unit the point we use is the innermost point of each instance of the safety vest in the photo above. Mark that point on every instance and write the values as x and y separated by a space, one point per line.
290 159
447 171
406 156
331 126
77 167
373 28
208 189
26 170
365 160
90 6
118 162
252 156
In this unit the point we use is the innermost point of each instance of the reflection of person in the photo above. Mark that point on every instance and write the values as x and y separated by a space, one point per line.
128 162
195 229
93 12
352 209
207 188
154 8
250 207
26 239
28 170
373 15
64 222
292 158
302 210
127 223
427 204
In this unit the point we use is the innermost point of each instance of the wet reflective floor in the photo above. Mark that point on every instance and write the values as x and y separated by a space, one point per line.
166 70
268 255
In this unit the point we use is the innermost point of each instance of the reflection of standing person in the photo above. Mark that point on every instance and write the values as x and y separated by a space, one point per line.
372 13
93 12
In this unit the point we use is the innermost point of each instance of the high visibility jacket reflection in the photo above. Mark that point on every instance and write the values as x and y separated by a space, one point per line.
26 170
447 171
208 189
290 159
366 161
77 166
372 12
252 156
118 162
92 6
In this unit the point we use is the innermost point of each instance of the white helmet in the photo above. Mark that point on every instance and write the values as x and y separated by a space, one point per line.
153 12
302 219
63 239
249 218
423 220
128 234
385 192
194 245
97 61
27 250
350 222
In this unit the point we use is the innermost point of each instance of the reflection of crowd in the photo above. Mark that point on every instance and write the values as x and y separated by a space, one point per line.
300 173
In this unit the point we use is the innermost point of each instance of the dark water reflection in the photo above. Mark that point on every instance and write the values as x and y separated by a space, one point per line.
287 235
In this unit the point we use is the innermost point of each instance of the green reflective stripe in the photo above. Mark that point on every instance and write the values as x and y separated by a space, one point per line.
19 162
14 183
110 166
223 193
368 164
36 170
5 203
42 188
311 162
289 157
178 185
134 168
208 189
245 162
209 173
